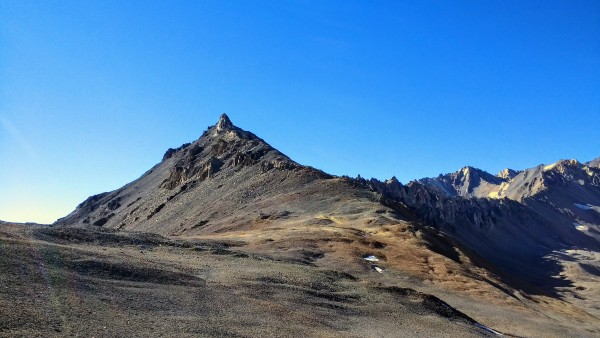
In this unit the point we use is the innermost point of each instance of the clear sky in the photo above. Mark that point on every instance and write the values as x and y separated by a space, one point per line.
92 93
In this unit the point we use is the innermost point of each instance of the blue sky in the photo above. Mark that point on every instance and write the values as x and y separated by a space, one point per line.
92 93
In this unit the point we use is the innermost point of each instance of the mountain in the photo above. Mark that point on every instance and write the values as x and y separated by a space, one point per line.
565 195
551 227
467 182
594 163
228 179
467 245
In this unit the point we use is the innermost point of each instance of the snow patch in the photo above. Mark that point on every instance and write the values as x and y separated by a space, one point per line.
580 227
584 206
481 326
378 269
371 258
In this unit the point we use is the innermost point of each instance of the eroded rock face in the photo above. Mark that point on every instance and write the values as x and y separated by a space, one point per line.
467 182
527 214
507 174
226 146
187 170
224 123
170 152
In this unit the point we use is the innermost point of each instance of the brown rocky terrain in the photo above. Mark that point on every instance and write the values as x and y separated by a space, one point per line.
227 236
102 283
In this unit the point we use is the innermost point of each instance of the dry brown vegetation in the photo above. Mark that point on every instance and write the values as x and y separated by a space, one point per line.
302 280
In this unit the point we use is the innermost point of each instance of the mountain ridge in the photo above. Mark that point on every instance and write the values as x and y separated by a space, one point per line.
501 232
226 155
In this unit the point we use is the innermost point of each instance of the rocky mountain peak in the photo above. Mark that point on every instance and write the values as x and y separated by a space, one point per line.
508 174
392 180
468 181
594 163
563 166
224 123
569 163
226 148
466 170
472 173
463 175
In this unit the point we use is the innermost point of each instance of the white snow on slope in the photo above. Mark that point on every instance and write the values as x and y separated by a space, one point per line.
584 206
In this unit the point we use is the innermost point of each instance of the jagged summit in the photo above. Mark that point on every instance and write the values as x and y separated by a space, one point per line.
594 163
563 165
224 123
508 174
468 181
392 180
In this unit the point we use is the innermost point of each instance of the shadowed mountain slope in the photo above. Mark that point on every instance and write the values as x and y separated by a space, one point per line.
565 195
543 223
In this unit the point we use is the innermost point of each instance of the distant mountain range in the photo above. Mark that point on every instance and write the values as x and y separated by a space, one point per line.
513 219
526 227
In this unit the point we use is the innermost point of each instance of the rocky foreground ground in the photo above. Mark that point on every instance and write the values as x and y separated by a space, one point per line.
85 282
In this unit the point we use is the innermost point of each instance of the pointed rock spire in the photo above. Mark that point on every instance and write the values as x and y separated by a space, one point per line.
392 180
224 123
507 174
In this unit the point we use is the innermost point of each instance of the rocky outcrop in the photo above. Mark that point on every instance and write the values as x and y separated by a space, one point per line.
507 174
468 182
229 147
595 163
224 123
171 151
